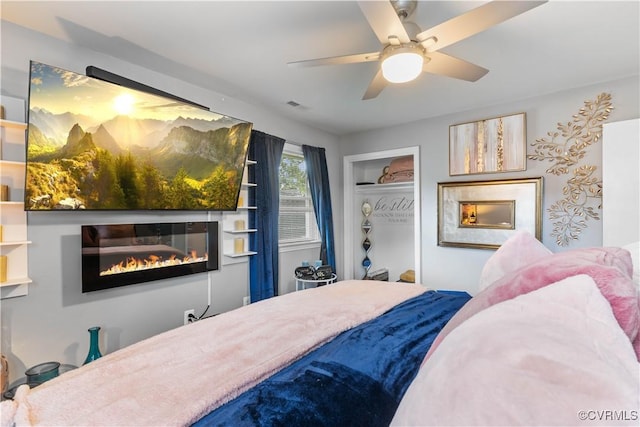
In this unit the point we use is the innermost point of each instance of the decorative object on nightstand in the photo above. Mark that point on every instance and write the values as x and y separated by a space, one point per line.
302 283
94 349
42 372
305 272
36 375
317 274
408 276
324 272
366 243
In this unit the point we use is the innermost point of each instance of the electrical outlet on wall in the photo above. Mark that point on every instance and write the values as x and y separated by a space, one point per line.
189 316
245 301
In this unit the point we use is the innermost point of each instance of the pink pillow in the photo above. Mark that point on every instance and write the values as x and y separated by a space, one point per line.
610 268
544 358
634 250
518 251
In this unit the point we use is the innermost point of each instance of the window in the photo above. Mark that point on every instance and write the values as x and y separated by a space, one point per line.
297 218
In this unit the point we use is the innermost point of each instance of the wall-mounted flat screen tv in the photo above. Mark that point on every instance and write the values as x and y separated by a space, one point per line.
95 145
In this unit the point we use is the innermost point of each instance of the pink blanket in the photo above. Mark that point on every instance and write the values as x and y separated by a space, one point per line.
177 377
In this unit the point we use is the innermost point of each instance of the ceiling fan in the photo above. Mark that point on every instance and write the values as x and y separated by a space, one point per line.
408 51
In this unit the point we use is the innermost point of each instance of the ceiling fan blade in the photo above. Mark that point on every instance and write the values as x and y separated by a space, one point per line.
451 66
384 21
474 22
375 87
337 60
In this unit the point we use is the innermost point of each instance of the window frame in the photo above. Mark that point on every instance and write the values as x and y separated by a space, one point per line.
302 243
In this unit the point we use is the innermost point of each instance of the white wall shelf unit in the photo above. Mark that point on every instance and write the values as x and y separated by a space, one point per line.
396 230
240 254
13 218
16 243
243 231
235 239
12 124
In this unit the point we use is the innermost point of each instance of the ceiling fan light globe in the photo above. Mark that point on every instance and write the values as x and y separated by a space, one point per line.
402 67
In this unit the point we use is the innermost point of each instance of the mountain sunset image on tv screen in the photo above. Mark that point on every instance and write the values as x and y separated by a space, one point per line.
95 145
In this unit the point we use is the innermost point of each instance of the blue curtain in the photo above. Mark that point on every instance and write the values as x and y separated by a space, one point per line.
316 161
266 150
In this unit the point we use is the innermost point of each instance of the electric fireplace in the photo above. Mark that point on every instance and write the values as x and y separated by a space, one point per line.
116 255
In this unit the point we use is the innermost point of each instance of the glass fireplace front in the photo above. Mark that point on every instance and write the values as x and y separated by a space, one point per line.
116 255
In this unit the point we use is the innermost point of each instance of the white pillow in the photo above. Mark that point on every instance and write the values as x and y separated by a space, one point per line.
518 251
538 359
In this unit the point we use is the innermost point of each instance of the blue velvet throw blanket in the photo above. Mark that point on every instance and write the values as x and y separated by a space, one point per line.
357 379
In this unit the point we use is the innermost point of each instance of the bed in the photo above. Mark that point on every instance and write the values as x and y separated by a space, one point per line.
551 339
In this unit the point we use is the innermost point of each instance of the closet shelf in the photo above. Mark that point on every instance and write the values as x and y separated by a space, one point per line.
368 188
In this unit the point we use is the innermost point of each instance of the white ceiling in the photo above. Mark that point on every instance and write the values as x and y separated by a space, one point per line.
241 49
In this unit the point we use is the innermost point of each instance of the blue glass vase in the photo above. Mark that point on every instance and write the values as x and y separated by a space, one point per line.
94 348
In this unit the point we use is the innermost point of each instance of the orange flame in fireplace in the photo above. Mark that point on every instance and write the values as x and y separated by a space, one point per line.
130 264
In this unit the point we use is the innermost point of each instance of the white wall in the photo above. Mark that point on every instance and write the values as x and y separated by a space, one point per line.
459 268
51 322
620 162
